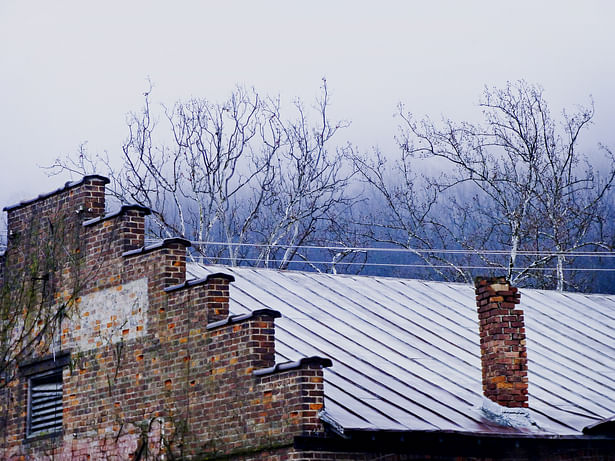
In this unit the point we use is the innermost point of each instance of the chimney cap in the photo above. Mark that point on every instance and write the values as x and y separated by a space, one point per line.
496 283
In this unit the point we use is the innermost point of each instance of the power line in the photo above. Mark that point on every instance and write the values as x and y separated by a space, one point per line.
593 254
401 265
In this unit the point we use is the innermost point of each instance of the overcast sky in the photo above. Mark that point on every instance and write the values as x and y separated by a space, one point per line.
71 70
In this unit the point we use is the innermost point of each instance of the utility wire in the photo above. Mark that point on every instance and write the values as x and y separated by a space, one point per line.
606 254
424 266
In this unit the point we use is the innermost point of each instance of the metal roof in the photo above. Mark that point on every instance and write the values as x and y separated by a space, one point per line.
406 353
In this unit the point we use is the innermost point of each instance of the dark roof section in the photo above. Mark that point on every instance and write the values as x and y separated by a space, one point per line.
322 362
604 427
202 281
123 209
162 244
241 317
406 353
457 445
67 186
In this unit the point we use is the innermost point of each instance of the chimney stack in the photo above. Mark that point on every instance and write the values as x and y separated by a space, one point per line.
502 342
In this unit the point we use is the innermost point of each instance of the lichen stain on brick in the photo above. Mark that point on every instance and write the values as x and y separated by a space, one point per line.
128 304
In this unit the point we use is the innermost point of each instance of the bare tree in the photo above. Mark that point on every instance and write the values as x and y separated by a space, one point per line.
236 172
251 185
308 189
518 183
403 212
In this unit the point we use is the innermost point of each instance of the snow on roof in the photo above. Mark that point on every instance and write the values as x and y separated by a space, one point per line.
406 353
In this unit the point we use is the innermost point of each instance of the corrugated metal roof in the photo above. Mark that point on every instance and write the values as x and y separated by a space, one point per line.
406 353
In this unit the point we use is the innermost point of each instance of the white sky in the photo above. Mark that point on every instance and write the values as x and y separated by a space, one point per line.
71 70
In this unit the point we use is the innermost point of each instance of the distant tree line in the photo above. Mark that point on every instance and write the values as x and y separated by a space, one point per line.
515 194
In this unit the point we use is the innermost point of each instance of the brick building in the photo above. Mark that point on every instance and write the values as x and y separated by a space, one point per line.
151 357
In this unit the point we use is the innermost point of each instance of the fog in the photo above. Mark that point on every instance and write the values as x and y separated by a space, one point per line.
71 70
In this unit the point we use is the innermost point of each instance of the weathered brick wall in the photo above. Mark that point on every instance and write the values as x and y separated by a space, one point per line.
145 369
41 262
52 222
258 410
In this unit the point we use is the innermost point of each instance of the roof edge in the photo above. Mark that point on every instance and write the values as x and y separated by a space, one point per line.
453 443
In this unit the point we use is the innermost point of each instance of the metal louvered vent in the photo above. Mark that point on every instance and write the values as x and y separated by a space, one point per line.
45 409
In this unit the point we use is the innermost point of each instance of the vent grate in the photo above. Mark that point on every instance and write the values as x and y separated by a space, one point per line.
45 404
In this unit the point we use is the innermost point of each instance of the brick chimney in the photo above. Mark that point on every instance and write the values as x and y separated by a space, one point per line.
502 342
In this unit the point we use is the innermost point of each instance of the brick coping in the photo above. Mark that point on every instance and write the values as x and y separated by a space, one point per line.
67 186
322 362
123 209
241 317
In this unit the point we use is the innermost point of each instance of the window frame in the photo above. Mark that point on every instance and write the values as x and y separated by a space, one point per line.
39 369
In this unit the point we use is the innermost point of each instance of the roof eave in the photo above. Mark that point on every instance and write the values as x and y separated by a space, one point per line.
452 443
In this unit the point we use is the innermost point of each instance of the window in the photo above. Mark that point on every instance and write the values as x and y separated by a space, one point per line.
45 403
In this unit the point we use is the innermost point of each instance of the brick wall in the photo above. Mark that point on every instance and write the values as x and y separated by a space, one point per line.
157 366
